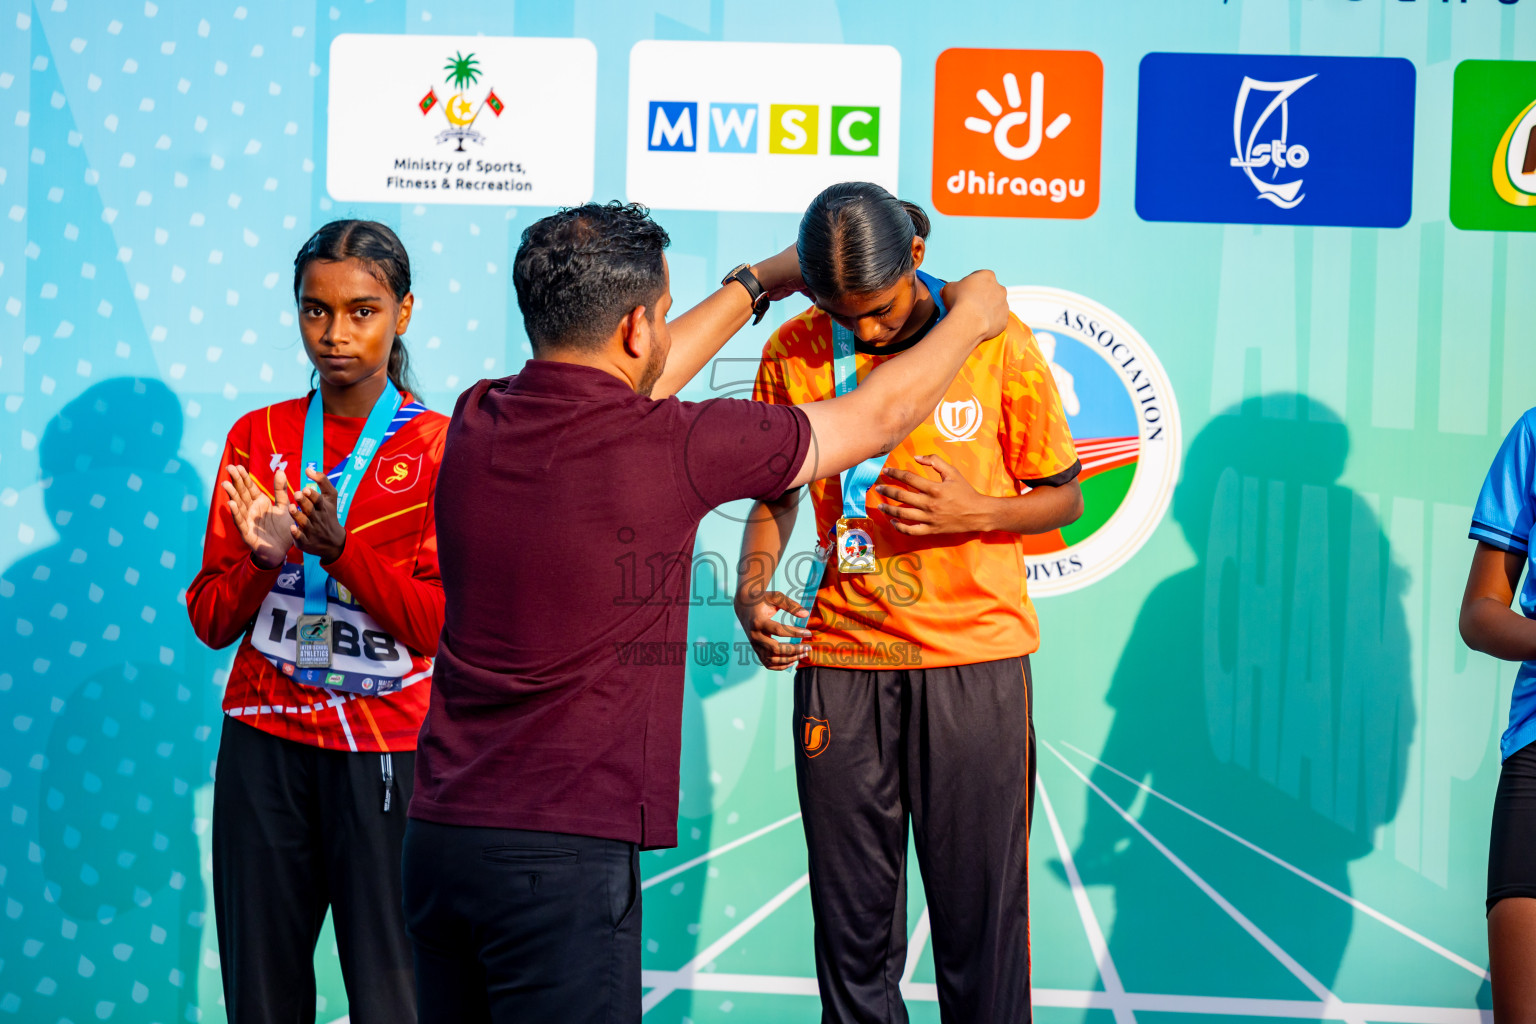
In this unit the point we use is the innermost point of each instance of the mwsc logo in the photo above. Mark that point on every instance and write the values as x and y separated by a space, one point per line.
703 136
679 126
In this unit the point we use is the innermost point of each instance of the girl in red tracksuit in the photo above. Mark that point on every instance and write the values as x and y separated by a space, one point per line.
315 763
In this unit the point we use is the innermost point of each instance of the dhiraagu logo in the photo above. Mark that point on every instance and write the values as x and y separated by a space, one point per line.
703 135
1493 146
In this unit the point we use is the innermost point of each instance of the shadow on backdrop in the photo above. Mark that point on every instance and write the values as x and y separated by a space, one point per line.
1268 688
105 698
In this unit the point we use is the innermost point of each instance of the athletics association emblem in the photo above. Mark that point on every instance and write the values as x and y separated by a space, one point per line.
460 110
1125 424
815 736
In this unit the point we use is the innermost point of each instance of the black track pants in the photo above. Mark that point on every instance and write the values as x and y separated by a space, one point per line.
953 748
297 829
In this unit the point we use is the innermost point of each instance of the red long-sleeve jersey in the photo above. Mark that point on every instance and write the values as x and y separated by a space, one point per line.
389 564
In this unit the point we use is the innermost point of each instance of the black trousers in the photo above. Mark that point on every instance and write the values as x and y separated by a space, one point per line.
517 927
297 829
953 749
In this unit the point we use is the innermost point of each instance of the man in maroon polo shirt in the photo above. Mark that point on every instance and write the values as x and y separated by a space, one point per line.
567 504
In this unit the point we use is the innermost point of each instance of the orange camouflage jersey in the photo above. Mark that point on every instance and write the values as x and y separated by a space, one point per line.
946 599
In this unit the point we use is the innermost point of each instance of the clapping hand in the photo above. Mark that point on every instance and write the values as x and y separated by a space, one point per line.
265 523
317 528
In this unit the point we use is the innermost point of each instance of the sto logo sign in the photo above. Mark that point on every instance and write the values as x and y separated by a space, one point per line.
1016 133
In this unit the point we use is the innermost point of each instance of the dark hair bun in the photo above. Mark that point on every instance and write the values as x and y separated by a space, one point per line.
920 223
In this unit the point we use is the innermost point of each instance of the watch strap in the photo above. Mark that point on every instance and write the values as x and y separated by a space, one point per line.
755 291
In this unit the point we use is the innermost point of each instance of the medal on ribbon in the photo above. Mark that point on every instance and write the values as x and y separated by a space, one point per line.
315 632
852 538
855 547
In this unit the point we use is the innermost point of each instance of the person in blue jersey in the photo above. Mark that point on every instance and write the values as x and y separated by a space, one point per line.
1503 524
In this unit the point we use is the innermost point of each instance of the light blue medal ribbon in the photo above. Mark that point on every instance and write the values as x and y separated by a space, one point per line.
857 481
352 470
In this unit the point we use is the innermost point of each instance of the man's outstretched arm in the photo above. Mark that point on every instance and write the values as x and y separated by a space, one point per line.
702 331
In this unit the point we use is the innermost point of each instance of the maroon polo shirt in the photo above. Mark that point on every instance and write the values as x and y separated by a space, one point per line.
566 511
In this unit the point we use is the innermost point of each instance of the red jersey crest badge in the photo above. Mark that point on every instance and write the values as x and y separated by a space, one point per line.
397 473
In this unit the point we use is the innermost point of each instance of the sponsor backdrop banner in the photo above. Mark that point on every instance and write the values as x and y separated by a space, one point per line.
1279 255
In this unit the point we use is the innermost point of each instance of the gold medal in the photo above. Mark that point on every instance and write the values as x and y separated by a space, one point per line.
855 546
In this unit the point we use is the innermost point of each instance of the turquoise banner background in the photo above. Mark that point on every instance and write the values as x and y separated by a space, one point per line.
1278 667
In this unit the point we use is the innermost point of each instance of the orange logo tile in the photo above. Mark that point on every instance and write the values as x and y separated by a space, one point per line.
1016 133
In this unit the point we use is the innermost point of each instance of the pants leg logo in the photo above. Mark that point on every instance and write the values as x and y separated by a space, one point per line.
815 736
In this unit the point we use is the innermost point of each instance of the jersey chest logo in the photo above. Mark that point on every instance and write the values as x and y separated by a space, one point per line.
958 421
398 473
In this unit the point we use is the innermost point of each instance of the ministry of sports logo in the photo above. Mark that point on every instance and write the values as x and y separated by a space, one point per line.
460 110
489 120
1125 423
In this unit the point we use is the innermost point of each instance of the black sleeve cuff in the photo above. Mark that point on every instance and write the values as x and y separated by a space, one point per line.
1066 476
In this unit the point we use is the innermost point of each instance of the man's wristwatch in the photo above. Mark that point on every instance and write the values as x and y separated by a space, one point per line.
748 280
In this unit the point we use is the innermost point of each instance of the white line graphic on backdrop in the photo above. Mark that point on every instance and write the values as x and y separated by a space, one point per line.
1332 1004
1427 943
690 971
915 949
1089 999
1107 972
717 851
694 975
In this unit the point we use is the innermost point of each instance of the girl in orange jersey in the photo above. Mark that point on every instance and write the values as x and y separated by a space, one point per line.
912 689
332 591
